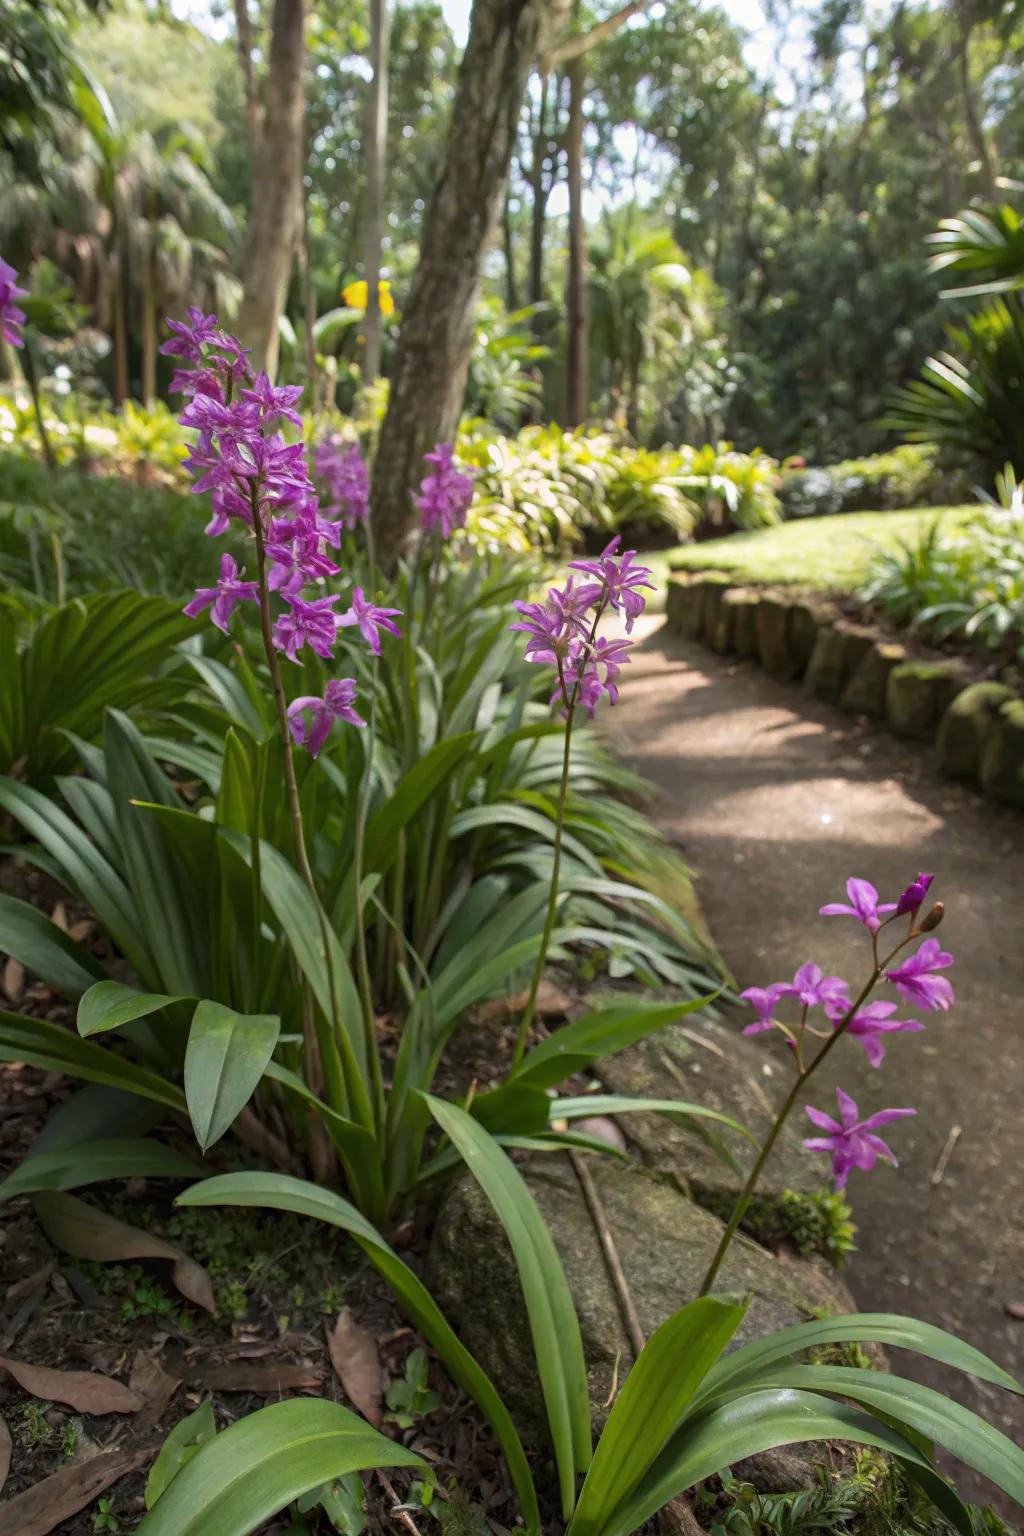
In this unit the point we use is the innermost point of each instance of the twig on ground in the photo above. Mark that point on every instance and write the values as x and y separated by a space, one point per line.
955 1133
398 1509
634 1331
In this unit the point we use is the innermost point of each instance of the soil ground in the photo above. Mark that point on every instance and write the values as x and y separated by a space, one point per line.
776 800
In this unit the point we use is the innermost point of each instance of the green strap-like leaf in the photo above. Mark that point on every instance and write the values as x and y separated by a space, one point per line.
859 1328
44 949
746 1426
600 1034
930 1413
227 1055
558 1347
618 1104
277 1191
654 1397
184 1440
95 1161
238 1480
54 1048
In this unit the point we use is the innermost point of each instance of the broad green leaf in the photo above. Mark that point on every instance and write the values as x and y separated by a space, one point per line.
253 1469
558 1347
927 1412
227 1055
653 1400
48 1045
184 1440
858 1328
572 1048
746 1426
44 949
95 1161
277 1191
109 1004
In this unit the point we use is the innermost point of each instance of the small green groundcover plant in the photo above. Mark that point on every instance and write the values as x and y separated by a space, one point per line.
686 1409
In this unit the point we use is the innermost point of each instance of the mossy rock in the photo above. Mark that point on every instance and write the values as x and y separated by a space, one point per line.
1002 755
682 606
865 693
806 622
665 1243
711 1063
966 726
838 651
744 603
736 602
773 635
917 695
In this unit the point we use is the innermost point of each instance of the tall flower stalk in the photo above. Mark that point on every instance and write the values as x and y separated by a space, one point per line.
257 478
563 633
850 1141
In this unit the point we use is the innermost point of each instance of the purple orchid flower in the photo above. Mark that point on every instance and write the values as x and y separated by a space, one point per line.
914 895
620 580
311 624
914 978
870 1026
446 493
337 704
274 402
191 335
814 989
850 1142
223 598
371 619
864 905
340 468
12 316
764 1001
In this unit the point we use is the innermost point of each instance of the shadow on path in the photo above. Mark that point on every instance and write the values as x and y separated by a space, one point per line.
776 800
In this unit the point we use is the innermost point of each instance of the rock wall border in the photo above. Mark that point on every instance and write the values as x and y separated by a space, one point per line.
976 728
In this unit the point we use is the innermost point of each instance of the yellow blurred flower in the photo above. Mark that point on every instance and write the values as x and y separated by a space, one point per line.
355 296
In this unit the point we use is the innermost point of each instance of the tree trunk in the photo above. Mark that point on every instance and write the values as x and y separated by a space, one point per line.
243 42
508 240
577 369
149 330
376 149
972 114
120 332
540 191
275 210
429 376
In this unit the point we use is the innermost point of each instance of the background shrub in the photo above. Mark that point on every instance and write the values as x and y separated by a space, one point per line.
909 476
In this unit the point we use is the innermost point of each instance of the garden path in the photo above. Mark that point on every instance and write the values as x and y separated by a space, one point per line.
776 799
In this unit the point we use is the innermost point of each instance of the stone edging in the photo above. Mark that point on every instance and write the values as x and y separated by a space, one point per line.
976 727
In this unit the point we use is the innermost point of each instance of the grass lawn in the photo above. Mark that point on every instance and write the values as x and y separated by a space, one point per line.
831 553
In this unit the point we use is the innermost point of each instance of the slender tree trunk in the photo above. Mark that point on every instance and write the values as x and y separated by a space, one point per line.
578 356
429 376
540 190
149 329
508 241
243 42
275 211
376 152
120 333
309 310
972 114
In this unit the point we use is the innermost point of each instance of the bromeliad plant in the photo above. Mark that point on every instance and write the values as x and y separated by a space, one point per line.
687 1409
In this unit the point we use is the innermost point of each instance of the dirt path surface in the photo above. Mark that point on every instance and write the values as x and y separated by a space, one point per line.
776 800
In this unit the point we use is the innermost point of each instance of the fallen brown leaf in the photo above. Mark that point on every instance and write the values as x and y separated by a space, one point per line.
356 1362
88 1233
82 929
551 1003
150 1382
85 1391
13 979
42 1508
5 1452
263 1379
59 915
29 1284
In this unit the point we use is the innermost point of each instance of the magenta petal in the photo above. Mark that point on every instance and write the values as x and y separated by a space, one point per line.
848 1110
819 1118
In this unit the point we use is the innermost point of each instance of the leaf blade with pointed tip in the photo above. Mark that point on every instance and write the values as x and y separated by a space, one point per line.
227 1054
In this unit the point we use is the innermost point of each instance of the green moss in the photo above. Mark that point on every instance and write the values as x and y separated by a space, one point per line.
817 1223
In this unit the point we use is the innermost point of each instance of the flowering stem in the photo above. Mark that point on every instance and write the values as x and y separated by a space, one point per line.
362 955
549 921
292 788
